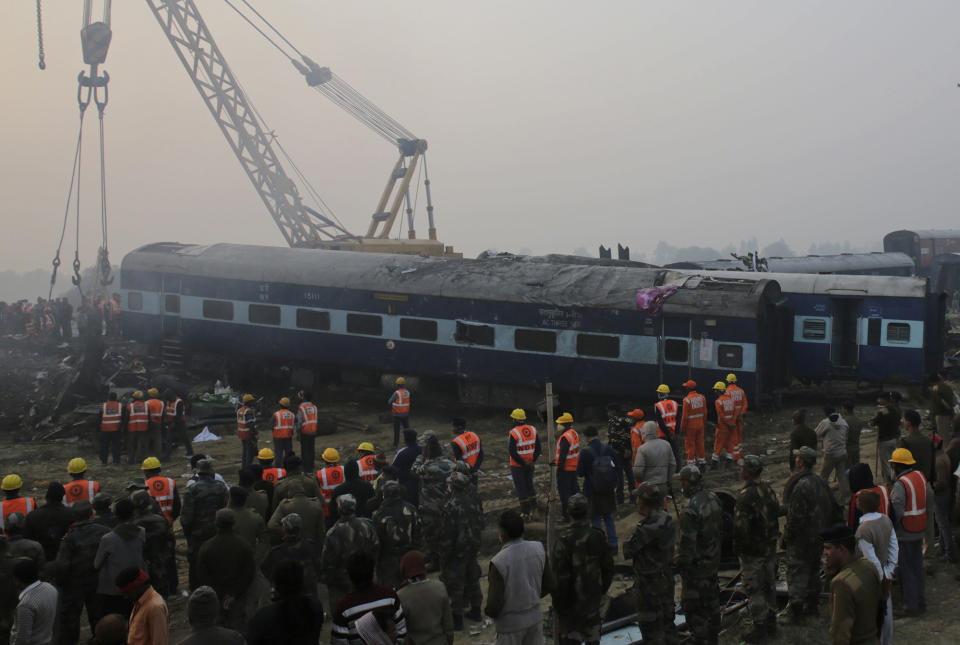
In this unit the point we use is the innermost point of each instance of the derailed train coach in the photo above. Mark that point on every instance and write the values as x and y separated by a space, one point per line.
491 323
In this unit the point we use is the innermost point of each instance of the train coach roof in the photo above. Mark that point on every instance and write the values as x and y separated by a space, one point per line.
926 234
509 278
833 283
813 263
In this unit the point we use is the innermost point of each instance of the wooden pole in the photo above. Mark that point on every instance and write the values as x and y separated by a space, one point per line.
552 495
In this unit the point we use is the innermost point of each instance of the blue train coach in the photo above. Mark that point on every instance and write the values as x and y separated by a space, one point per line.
502 320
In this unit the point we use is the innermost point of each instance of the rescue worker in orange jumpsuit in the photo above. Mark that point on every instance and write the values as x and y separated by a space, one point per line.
566 461
723 441
247 430
693 416
636 438
740 398
399 403
466 447
162 489
524 448
283 423
307 430
13 502
111 421
666 412
175 425
138 425
80 488
155 409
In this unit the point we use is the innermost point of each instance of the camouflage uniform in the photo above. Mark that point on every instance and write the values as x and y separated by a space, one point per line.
583 571
618 436
351 534
398 527
433 476
810 508
295 549
651 548
310 511
159 552
200 505
77 578
756 529
462 523
698 558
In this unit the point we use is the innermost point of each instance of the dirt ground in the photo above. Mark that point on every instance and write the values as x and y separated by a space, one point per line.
39 462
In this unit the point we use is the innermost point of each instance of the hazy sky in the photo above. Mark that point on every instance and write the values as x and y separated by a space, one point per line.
552 125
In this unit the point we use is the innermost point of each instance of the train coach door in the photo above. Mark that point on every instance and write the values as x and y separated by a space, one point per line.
170 306
844 342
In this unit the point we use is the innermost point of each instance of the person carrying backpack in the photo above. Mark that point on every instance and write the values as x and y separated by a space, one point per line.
598 468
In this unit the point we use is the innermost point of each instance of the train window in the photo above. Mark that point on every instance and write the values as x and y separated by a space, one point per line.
218 309
310 319
364 324
596 345
535 340
815 328
676 351
171 303
135 301
475 334
264 314
898 333
730 356
873 331
418 329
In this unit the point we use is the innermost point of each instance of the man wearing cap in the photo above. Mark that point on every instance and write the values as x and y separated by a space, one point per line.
809 506
698 556
425 603
366 462
908 510
361 490
13 501
739 397
462 522
103 510
80 487
247 430
329 477
112 419
149 622
283 422
755 531
350 535
49 523
800 435
636 439
943 400
203 612
226 563
266 458
306 426
466 447
618 438
832 430
200 505
175 424
19 546
887 423
665 412
597 464
310 509
566 461
433 473
399 530
724 441
295 548
155 414
399 403
403 461
162 489
524 448
297 477
159 549
75 575
693 416
855 593
583 570
651 548
138 426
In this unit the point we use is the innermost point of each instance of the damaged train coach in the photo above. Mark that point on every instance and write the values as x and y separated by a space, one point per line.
491 323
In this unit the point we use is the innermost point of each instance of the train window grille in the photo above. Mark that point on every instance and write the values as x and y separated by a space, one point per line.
898 333
676 351
310 319
135 301
364 324
416 329
815 328
218 309
597 345
171 303
730 356
535 340
264 314
475 334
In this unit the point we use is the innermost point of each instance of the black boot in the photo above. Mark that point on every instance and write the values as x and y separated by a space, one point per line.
458 622
474 615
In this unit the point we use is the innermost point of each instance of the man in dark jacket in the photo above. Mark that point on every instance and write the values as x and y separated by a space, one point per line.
49 523
225 562
159 550
361 490
203 610
403 462
200 505
801 434
602 495
75 574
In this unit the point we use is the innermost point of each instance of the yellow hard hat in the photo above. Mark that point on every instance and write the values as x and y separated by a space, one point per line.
519 415
266 454
566 417
331 456
663 389
731 378
137 395
246 398
150 463
366 445
400 380
153 392
720 385
902 456
285 402
12 482
76 466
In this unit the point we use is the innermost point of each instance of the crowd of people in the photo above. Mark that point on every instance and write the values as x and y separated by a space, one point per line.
55 318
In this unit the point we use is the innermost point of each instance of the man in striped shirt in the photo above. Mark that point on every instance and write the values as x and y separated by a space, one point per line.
365 597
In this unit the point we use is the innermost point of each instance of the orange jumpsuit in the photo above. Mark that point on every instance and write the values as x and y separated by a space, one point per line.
740 398
723 442
692 419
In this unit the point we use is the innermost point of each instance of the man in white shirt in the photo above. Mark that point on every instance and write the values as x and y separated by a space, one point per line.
877 542
37 610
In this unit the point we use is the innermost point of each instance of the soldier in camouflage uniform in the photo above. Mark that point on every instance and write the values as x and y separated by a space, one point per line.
462 523
159 550
310 510
198 519
810 507
398 528
583 570
433 469
295 549
651 549
698 557
75 574
350 534
618 436
756 529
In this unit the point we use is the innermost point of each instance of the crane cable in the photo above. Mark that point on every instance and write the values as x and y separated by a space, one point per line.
42 59
74 178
